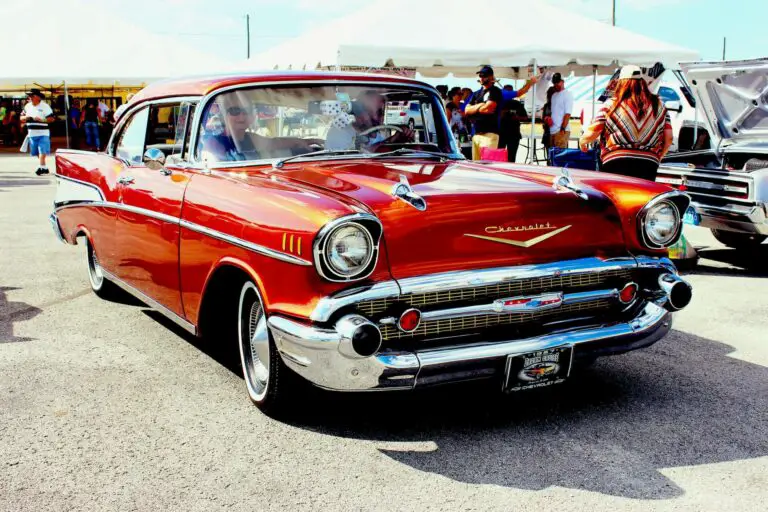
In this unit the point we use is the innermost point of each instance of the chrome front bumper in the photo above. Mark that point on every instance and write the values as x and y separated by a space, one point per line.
321 357
744 219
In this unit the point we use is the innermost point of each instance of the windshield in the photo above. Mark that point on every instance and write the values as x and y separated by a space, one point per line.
282 121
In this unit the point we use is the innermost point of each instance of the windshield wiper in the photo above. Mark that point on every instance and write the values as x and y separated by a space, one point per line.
408 151
279 164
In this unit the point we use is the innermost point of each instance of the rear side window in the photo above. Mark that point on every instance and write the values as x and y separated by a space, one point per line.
130 145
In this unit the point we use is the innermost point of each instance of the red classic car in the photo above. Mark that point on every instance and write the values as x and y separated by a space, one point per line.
357 255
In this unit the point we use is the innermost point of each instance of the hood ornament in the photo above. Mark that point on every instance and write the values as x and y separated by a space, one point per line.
404 192
564 182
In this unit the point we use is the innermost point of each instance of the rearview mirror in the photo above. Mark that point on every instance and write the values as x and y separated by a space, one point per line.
673 106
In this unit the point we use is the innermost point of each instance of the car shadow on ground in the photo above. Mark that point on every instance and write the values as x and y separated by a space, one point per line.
11 312
611 429
22 180
746 263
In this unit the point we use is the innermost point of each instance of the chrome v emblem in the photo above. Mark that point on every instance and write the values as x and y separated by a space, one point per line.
521 243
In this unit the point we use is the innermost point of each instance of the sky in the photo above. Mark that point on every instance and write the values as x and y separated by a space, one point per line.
218 27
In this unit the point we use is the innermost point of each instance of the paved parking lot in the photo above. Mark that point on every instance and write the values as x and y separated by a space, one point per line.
106 406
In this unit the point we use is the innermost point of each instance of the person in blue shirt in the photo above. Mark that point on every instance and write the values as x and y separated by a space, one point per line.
74 125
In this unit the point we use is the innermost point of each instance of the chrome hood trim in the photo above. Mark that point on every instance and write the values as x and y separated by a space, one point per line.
733 96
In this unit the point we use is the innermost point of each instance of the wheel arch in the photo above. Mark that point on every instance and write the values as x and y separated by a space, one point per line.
227 272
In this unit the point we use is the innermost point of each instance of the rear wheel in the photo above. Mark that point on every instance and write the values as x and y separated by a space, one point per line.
268 381
738 240
100 285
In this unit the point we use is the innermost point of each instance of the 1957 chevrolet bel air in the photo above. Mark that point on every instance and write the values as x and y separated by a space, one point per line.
277 213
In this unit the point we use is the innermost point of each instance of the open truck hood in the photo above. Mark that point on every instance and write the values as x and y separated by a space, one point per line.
733 96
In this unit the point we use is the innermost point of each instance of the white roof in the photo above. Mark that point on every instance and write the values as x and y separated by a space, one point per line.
80 42
434 37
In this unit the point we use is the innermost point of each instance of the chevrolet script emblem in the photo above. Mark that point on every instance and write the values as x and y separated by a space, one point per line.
520 243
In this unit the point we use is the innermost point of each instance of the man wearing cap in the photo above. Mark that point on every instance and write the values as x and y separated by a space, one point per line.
36 115
562 108
484 109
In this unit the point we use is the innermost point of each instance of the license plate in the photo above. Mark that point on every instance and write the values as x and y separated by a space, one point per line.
538 369
691 217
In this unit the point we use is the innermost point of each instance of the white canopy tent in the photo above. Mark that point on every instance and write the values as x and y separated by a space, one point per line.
79 42
432 37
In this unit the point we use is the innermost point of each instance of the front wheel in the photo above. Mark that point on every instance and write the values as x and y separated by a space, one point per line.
738 240
268 381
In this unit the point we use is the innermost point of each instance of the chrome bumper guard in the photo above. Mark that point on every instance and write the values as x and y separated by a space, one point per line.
54 220
319 355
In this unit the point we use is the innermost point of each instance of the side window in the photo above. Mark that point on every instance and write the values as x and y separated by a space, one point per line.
130 145
166 128
668 94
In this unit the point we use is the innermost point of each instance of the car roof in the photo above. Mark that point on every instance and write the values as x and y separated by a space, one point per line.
204 84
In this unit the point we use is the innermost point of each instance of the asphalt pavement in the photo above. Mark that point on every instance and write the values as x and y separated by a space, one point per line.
106 406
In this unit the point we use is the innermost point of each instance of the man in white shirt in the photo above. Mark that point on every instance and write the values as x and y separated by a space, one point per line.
562 108
36 116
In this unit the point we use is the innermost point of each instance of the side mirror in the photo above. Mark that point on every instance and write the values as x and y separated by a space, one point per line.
154 159
673 106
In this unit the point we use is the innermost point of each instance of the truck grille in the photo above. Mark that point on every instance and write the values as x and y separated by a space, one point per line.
512 288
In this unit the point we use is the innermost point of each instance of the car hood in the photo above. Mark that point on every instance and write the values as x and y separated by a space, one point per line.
733 96
476 215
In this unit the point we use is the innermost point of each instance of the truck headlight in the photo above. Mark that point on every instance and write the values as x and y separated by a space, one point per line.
346 249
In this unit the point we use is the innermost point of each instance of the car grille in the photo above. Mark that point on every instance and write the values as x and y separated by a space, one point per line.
434 328
513 288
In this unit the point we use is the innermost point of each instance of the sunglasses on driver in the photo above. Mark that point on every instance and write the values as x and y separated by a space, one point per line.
236 111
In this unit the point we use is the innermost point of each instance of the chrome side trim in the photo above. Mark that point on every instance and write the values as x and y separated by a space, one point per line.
492 309
149 301
260 249
490 276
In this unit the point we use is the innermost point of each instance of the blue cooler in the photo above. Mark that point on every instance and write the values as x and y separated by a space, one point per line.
573 158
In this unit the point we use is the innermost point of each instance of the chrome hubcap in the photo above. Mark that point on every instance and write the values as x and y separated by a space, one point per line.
254 342
96 275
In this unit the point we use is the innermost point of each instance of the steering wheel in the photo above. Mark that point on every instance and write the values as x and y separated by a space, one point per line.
380 127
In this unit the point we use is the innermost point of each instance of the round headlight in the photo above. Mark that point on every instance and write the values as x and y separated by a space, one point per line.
349 250
662 224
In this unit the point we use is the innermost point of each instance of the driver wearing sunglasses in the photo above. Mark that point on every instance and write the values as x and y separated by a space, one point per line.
236 142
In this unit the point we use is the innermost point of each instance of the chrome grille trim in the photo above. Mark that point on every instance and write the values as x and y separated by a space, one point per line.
480 322
514 288
447 281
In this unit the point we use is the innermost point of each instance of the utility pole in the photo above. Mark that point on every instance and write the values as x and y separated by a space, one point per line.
248 35
723 48
613 14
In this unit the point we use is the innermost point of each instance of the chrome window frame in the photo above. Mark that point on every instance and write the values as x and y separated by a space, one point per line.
134 109
209 97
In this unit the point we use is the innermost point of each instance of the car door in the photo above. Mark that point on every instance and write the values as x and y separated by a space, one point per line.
147 224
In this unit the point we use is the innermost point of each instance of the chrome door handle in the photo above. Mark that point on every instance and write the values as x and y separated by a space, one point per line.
125 180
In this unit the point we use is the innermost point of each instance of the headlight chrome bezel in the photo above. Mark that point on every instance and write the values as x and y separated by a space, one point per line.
369 225
675 199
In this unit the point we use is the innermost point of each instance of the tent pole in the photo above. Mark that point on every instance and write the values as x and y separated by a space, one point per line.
66 112
594 91
531 147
